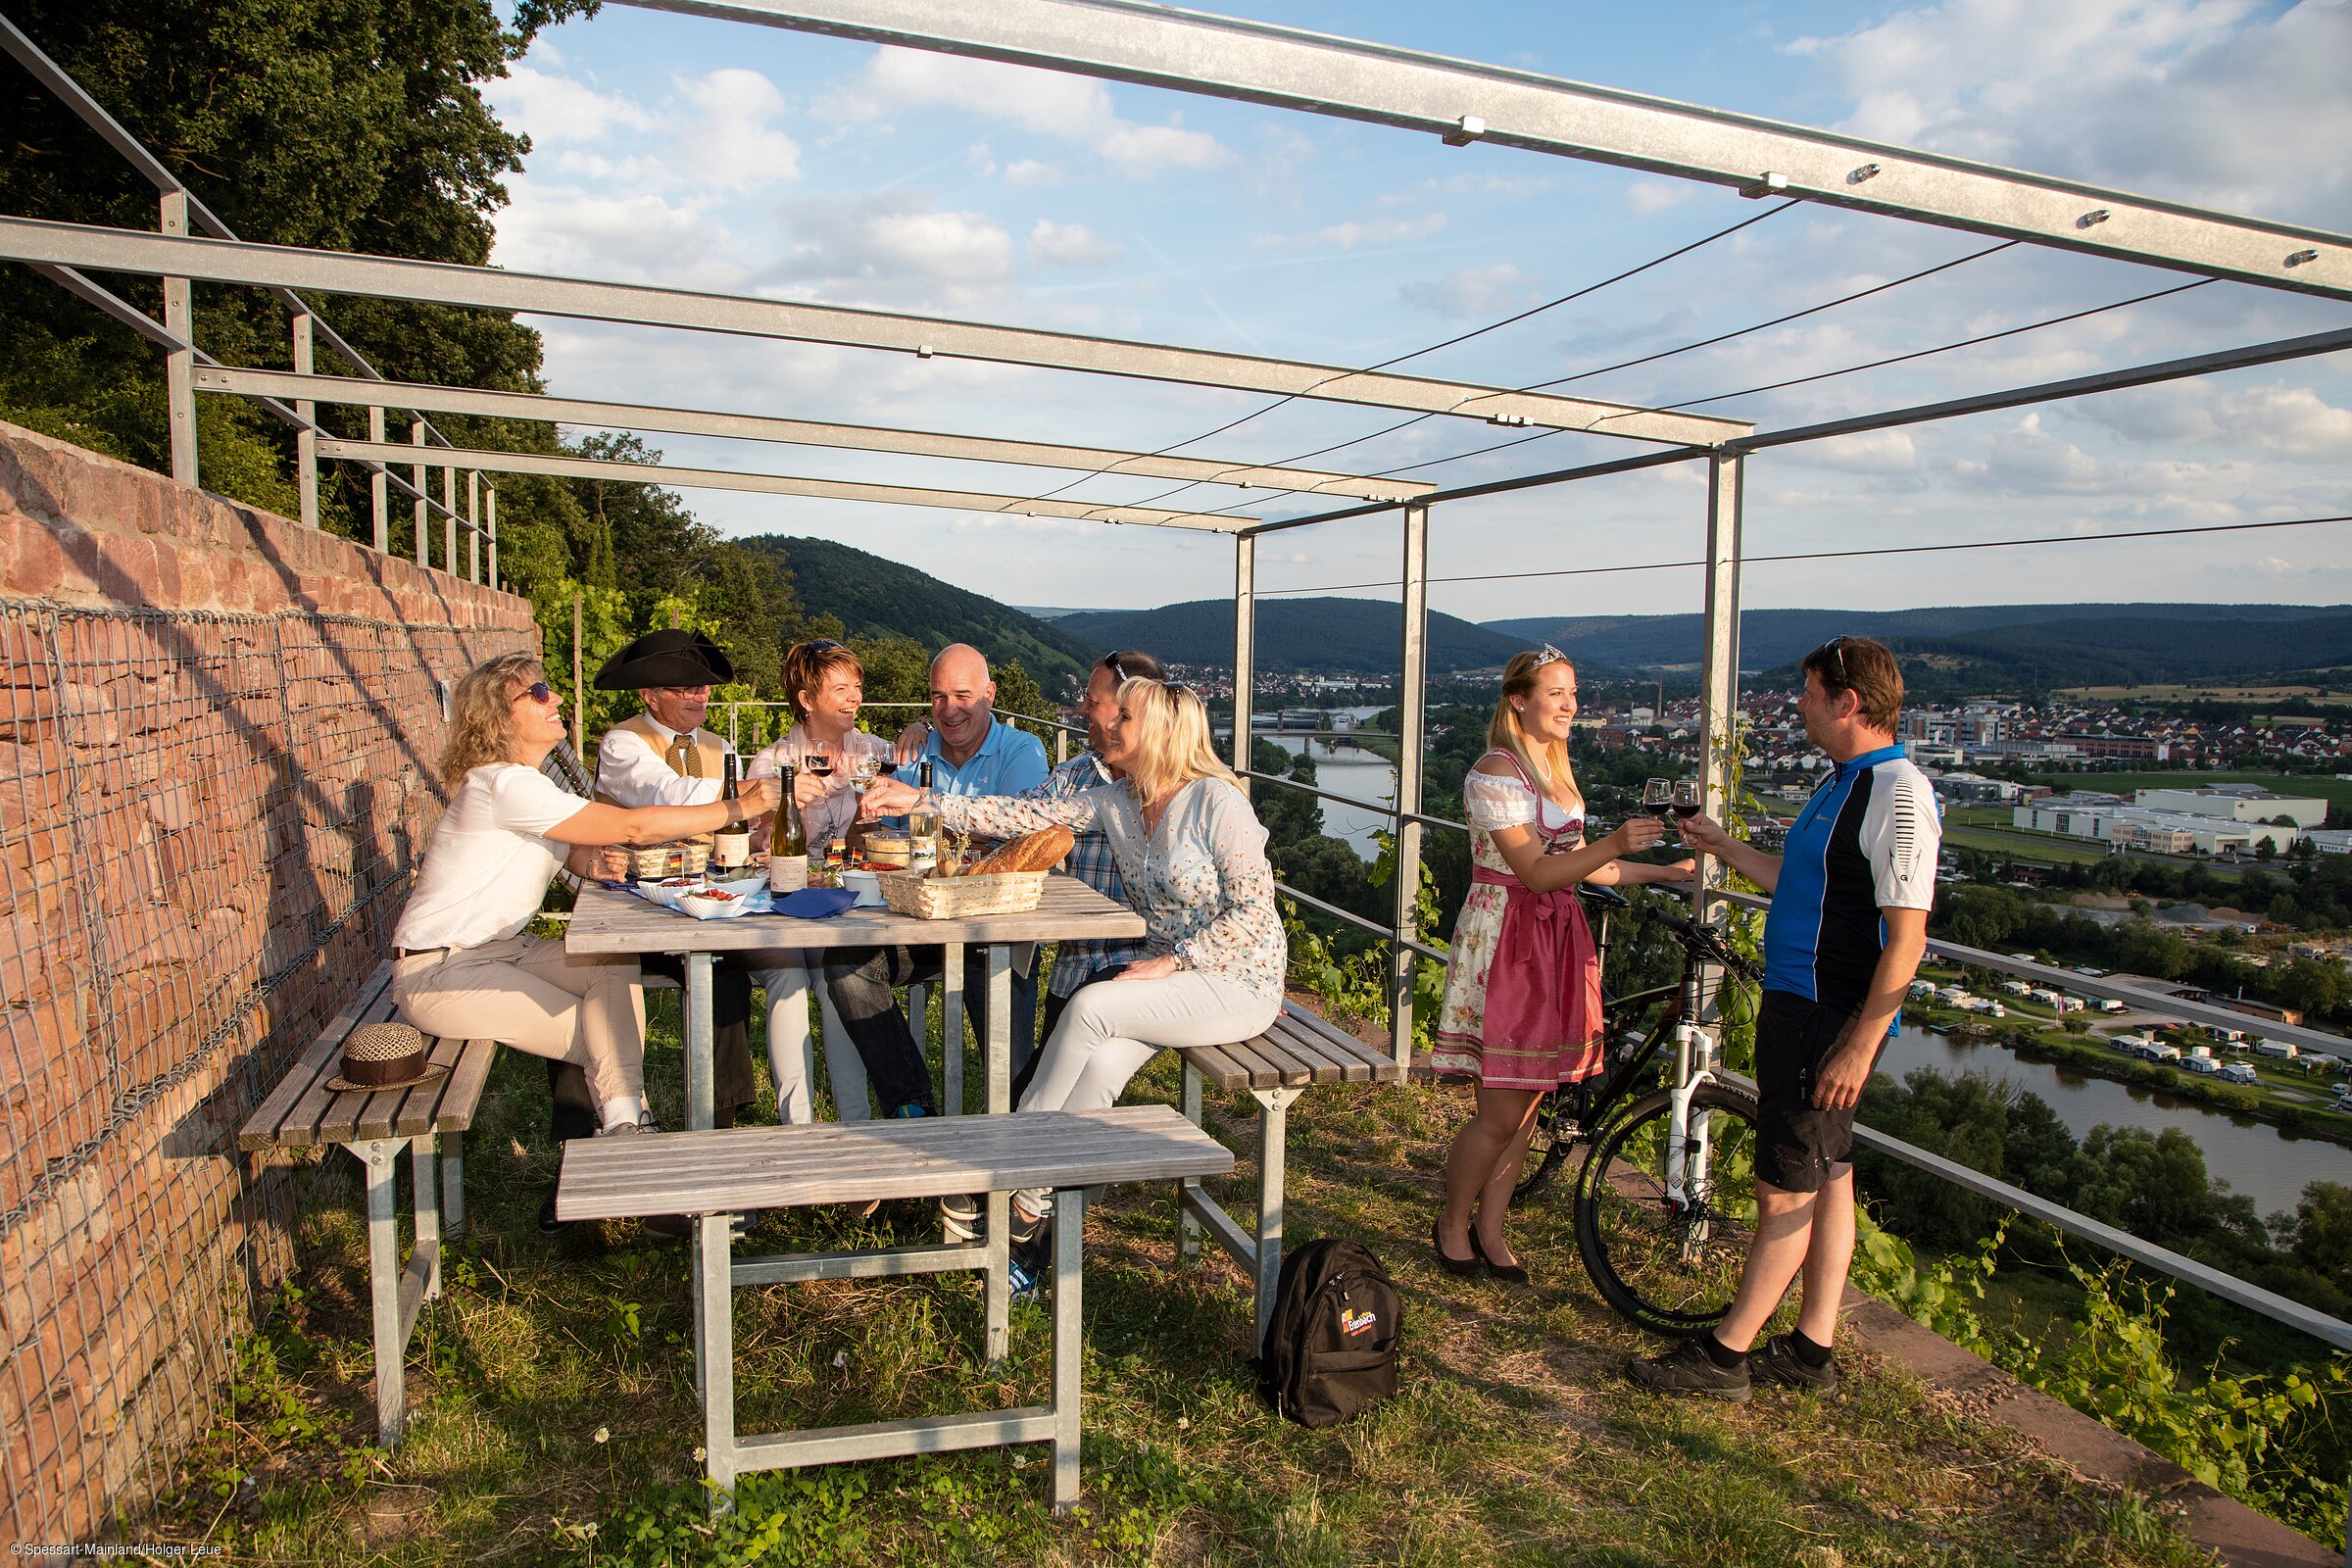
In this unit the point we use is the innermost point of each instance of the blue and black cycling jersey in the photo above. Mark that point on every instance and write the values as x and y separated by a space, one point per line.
1865 841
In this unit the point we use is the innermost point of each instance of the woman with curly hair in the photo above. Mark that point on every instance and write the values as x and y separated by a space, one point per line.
464 960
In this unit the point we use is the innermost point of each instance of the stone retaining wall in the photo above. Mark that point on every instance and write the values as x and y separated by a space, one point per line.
217 738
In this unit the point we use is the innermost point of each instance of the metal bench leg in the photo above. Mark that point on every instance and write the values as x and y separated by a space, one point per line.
1188 1229
1273 1124
422 1176
452 1185
714 1352
1069 1251
699 1047
383 1284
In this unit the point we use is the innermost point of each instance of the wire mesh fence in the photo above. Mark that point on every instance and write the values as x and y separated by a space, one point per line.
206 823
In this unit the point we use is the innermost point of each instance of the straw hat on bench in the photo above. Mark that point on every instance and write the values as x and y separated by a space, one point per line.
384 1055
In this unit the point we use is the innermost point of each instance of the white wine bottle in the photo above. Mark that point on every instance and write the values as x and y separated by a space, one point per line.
788 845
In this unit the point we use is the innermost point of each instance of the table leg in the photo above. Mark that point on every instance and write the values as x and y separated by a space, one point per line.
1273 1123
997 1054
714 1352
699 1114
1069 1238
1188 1229
950 1032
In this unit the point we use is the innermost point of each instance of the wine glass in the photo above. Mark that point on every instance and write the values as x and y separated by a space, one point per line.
1687 799
820 763
863 771
1657 796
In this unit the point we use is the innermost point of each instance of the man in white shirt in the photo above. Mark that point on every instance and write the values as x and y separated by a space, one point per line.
663 757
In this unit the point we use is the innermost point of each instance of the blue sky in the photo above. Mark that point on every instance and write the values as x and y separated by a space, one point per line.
710 155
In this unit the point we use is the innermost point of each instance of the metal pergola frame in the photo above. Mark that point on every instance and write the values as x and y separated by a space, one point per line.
1125 42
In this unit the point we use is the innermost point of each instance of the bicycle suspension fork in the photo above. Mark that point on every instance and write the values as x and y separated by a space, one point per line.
1687 1143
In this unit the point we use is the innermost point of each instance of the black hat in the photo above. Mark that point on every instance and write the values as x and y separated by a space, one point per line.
668 658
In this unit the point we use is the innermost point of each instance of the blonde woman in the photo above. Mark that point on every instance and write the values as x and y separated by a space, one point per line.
1521 1013
465 961
1192 859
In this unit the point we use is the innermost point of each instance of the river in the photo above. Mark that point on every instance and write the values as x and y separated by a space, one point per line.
1343 768
2267 1164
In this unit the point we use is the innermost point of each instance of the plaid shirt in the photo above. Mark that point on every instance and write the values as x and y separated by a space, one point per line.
1090 858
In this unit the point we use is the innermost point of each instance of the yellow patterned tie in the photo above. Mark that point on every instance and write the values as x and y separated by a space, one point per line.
683 757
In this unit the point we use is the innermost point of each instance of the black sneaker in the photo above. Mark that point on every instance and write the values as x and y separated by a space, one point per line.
1776 1361
1687 1369
548 1225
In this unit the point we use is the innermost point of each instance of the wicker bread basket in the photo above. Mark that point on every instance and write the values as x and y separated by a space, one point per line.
931 898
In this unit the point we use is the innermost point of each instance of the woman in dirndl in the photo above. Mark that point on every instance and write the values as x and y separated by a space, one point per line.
1522 1010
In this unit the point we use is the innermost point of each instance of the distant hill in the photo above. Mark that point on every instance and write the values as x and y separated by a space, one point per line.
2012 645
1323 636
874 596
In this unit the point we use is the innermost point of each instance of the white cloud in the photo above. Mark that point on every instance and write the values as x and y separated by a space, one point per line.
554 107
1052 244
636 238
1646 196
1878 452
2204 100
1475 292
1046 102
1355 232
1029 171
2285 422
890 246
730 143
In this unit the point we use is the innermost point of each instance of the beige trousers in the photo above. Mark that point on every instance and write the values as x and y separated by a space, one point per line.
528 992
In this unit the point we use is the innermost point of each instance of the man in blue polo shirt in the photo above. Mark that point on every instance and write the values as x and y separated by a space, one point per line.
970 752
1848 923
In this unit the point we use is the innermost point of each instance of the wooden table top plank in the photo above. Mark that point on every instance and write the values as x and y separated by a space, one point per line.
319 1059
1068 910
1353 1066
1263 1074
1294 1071
778 1167
1384 1066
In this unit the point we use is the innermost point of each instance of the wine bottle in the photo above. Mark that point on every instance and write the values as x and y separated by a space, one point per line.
731 845
922 825
788 845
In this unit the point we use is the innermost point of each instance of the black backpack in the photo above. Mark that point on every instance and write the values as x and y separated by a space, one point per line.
1331 1345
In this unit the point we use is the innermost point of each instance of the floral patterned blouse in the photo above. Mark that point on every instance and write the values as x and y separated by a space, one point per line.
1202 882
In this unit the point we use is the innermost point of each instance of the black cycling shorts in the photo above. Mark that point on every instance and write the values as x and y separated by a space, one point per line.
1796 1145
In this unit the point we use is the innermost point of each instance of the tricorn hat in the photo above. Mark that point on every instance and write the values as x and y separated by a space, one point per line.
384 1055
666 658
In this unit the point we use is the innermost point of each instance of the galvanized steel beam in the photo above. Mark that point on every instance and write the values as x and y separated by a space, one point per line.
215 261
1719 670
774 484
1412 691
797 432
1258 63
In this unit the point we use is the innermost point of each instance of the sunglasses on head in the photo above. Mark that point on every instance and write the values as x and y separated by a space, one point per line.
1834 649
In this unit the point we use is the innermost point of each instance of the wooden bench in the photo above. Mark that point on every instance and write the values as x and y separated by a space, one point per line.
1300 1051
714 1174
304 1113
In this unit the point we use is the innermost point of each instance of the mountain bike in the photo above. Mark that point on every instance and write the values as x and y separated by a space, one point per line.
1665 1199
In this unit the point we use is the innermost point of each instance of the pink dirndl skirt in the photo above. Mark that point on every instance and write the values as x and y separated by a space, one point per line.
1543 1012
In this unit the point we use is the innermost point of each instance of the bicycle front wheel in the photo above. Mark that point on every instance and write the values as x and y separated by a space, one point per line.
1664 1216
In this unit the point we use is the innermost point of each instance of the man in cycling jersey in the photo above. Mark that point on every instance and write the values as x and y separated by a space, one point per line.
1848 924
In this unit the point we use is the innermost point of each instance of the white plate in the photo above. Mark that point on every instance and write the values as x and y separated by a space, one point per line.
667 898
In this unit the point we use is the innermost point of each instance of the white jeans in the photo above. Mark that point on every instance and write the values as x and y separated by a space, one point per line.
1112 1027
791 1054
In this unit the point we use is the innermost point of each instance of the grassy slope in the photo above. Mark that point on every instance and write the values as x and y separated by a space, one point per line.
1513 1441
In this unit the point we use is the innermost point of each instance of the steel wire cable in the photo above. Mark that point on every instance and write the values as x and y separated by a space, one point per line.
1833 555
1388 363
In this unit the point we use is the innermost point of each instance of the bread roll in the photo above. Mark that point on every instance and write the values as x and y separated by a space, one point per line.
1041 851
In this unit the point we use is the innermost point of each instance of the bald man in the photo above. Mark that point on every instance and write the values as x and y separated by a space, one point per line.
970 751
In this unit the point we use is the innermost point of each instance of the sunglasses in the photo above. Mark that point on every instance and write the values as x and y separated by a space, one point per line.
540 691
822 645
1834 649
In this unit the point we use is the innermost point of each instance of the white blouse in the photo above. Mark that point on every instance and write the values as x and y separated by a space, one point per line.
1498 801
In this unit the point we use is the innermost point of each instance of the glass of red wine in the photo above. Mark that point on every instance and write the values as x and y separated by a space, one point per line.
1658 795
820 763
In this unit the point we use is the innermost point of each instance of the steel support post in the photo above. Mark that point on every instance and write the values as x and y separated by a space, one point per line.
997 1064
714 1354
1188 1229
1273 1158
1411 691
1720 670
384 1285
449 524
1069 1341
416 477
179 364
474 524
950 1028
1244 648
305 439
490 528
380 490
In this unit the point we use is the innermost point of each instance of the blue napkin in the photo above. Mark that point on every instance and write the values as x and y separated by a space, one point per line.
816 904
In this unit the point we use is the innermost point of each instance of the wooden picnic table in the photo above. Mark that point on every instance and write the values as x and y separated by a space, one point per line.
605 920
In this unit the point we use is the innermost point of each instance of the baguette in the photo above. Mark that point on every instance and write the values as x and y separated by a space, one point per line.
1041 851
